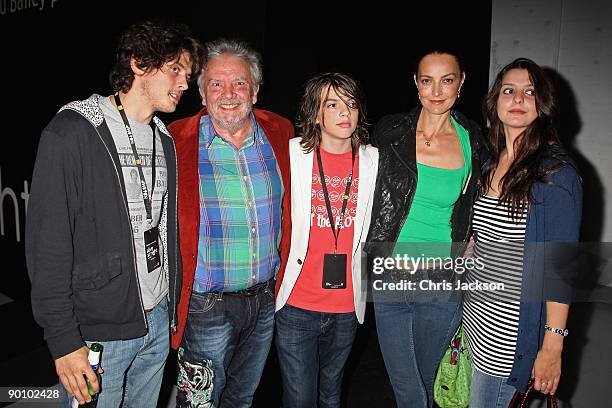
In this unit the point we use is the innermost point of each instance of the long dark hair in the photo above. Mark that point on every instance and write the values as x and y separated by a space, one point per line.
310 105
531 147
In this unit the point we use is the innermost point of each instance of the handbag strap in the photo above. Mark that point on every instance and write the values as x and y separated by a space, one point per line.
518 402
515 399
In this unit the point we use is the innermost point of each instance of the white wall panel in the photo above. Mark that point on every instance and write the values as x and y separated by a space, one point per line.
574 37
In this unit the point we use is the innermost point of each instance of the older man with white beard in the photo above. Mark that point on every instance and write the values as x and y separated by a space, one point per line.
233 176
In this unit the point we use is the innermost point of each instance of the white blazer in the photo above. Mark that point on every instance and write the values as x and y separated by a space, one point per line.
301 186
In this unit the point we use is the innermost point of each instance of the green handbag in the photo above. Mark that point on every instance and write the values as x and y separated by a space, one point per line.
452 384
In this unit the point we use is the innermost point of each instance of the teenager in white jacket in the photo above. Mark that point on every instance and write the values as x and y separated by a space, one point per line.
322 294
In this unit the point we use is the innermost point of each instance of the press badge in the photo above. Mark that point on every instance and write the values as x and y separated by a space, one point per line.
334 271
151 237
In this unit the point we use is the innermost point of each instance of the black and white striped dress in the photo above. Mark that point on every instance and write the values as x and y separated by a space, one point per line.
491 317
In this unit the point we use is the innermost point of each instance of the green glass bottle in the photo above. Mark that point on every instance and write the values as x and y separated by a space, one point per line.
94 361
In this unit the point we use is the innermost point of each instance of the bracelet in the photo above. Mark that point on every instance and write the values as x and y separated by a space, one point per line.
562 332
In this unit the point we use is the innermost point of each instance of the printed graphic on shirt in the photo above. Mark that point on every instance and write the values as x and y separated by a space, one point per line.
133 187
308 292
336 186
153 284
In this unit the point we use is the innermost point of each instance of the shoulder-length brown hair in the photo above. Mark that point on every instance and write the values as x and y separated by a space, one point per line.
346 87
532 145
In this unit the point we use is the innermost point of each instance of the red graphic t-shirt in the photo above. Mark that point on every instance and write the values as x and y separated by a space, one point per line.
308 292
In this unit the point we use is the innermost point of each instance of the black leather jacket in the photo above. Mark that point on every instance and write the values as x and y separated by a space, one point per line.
394 135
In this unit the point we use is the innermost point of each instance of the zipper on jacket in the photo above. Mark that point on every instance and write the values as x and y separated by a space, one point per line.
416 177
127 212
471 215
176 243
477 187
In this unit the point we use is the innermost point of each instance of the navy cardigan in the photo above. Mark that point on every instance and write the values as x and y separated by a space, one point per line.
549 263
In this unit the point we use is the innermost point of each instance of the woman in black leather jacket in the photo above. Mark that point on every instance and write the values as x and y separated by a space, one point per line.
427 179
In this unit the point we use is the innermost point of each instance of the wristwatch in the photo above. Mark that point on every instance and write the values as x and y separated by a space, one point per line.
562 332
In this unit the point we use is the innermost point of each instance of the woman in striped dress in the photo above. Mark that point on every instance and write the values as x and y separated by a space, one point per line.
531 201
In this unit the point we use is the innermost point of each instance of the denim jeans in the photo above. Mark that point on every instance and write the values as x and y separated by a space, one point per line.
312 350
225 347
133 369
414 329
488 391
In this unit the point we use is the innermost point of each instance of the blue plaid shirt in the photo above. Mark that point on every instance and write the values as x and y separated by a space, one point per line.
240 211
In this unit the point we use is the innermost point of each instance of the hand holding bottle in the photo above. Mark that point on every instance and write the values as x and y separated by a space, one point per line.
70 369
77 374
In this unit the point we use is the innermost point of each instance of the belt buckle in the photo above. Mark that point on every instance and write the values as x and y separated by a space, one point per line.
252 291
249 291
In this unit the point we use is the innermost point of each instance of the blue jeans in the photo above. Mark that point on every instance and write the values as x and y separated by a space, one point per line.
133 369
414 329
488 391
312 350
225 347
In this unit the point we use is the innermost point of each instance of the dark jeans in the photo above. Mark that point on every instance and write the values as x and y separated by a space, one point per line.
224 349
312 350
414 329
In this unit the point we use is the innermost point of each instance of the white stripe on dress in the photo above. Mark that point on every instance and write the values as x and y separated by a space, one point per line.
491 317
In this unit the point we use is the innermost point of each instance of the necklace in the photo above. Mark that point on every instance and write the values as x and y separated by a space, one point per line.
427 139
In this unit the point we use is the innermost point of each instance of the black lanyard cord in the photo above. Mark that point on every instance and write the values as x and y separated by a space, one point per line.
143 185
345 197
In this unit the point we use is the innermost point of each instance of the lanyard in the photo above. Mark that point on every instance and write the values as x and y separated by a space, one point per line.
345 197
143 185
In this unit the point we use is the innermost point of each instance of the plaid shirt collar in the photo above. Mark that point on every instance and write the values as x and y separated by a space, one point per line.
208 132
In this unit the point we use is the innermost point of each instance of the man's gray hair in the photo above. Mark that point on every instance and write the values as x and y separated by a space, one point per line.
239 49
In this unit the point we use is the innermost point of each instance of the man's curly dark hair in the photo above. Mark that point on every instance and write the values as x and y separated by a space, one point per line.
152 44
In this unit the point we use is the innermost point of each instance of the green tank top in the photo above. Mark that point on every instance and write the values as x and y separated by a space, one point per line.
427 229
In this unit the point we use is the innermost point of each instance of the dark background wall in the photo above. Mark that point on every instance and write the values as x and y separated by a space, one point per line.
57 51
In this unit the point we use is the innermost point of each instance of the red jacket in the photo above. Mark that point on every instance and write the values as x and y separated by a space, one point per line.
185 133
